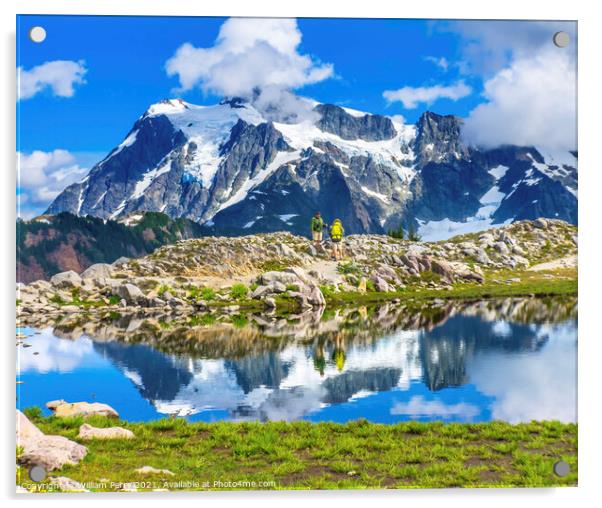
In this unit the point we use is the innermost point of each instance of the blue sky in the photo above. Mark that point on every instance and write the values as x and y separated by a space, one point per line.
117 68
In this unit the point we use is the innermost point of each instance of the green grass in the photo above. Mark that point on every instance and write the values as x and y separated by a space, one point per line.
239 291
163 288
563 282
304 455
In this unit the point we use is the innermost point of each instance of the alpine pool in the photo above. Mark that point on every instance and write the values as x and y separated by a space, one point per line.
454 361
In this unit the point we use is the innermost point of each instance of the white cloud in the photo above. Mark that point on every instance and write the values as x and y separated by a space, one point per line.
59 75
418 406
249 54
487 46
49 354
530 102
410 97
41 176
440 62
538 386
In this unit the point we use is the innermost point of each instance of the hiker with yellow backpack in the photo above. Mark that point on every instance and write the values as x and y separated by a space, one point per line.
336 236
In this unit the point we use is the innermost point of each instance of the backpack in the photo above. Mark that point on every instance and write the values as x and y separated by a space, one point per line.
316 224
336 231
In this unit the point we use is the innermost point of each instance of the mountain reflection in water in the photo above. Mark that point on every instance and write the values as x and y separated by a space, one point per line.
511 359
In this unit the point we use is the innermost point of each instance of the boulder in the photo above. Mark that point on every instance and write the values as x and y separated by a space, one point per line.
26 429
53 404
41 284
89 432
260 291
50 452
119 262
501 247
283 277
66 280
443 268
315 297
98 271
129 293
300 273
153 470
410 261
277 287
380 284
482 257
67 409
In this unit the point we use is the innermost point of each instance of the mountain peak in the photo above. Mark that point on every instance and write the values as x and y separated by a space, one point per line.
166 106
233 164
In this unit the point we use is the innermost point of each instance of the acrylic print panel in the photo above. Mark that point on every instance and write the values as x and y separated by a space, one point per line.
295 253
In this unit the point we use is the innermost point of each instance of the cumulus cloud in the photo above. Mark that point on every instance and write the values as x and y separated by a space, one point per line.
530 102
418 406
488 46
248 54
60 76
411 97
41 176
536 386
54 355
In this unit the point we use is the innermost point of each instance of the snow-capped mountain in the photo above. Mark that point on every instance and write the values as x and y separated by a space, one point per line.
241 171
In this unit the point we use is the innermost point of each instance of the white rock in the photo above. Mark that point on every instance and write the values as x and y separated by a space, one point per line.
89 432
153 470
98 271
66 280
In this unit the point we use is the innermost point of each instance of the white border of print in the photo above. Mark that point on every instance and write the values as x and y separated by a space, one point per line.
590 238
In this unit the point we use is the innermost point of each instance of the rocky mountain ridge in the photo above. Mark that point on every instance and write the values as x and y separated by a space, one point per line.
230 168
51 244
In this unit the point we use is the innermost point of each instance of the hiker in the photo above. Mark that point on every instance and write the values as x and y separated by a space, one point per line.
317 225
336 235
338 355
319 359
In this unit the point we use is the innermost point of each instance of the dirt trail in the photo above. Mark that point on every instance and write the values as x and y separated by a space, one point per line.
567 262
328 269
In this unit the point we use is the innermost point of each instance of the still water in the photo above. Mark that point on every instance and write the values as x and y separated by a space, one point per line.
507 359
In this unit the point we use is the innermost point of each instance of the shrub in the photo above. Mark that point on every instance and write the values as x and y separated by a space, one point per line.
114 300
56 298
239 291
32 412
348 268
327 290
396 233
208 294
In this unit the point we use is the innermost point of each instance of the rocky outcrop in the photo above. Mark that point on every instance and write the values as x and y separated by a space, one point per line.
50 452
336 120
87 431
62 409
98 271
196 275
66 280
439 139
